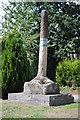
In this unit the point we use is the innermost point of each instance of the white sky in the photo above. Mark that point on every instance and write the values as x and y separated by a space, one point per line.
1 11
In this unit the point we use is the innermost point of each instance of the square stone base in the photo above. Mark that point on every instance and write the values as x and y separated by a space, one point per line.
41 85
44 100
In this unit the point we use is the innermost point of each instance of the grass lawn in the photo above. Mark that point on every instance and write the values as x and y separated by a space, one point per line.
68 89
21 110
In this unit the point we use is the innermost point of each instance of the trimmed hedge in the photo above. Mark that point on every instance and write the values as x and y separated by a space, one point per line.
67 71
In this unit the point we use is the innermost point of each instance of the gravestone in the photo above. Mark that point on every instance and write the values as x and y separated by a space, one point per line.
41 90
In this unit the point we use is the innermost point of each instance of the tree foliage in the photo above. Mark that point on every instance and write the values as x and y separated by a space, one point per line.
67 71
15 65
64 28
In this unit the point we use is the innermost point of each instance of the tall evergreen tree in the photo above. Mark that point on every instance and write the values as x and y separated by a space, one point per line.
15 65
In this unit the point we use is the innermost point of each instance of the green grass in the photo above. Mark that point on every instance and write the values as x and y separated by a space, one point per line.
17 110
20 111
64 89
67 89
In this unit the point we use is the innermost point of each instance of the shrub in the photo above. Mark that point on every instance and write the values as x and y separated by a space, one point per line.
15 65
67 71
0 61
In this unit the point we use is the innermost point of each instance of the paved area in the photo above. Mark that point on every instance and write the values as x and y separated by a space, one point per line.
76 97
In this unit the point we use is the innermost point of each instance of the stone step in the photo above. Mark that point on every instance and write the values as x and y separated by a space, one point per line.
44 100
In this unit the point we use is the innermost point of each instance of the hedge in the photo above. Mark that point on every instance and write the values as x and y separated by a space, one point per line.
67 71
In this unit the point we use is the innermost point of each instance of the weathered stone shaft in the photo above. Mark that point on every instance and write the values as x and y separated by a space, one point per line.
43 44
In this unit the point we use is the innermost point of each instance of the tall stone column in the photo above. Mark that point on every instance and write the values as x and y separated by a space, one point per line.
42 68
41 84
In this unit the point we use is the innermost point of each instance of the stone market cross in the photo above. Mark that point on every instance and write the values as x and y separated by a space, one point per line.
41 90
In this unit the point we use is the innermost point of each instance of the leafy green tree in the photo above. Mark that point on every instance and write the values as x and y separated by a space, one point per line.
67 71
15 65
64 33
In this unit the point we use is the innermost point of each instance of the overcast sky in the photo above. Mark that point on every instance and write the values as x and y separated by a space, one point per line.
1 11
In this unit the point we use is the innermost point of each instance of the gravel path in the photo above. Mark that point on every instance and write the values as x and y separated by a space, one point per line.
76 97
